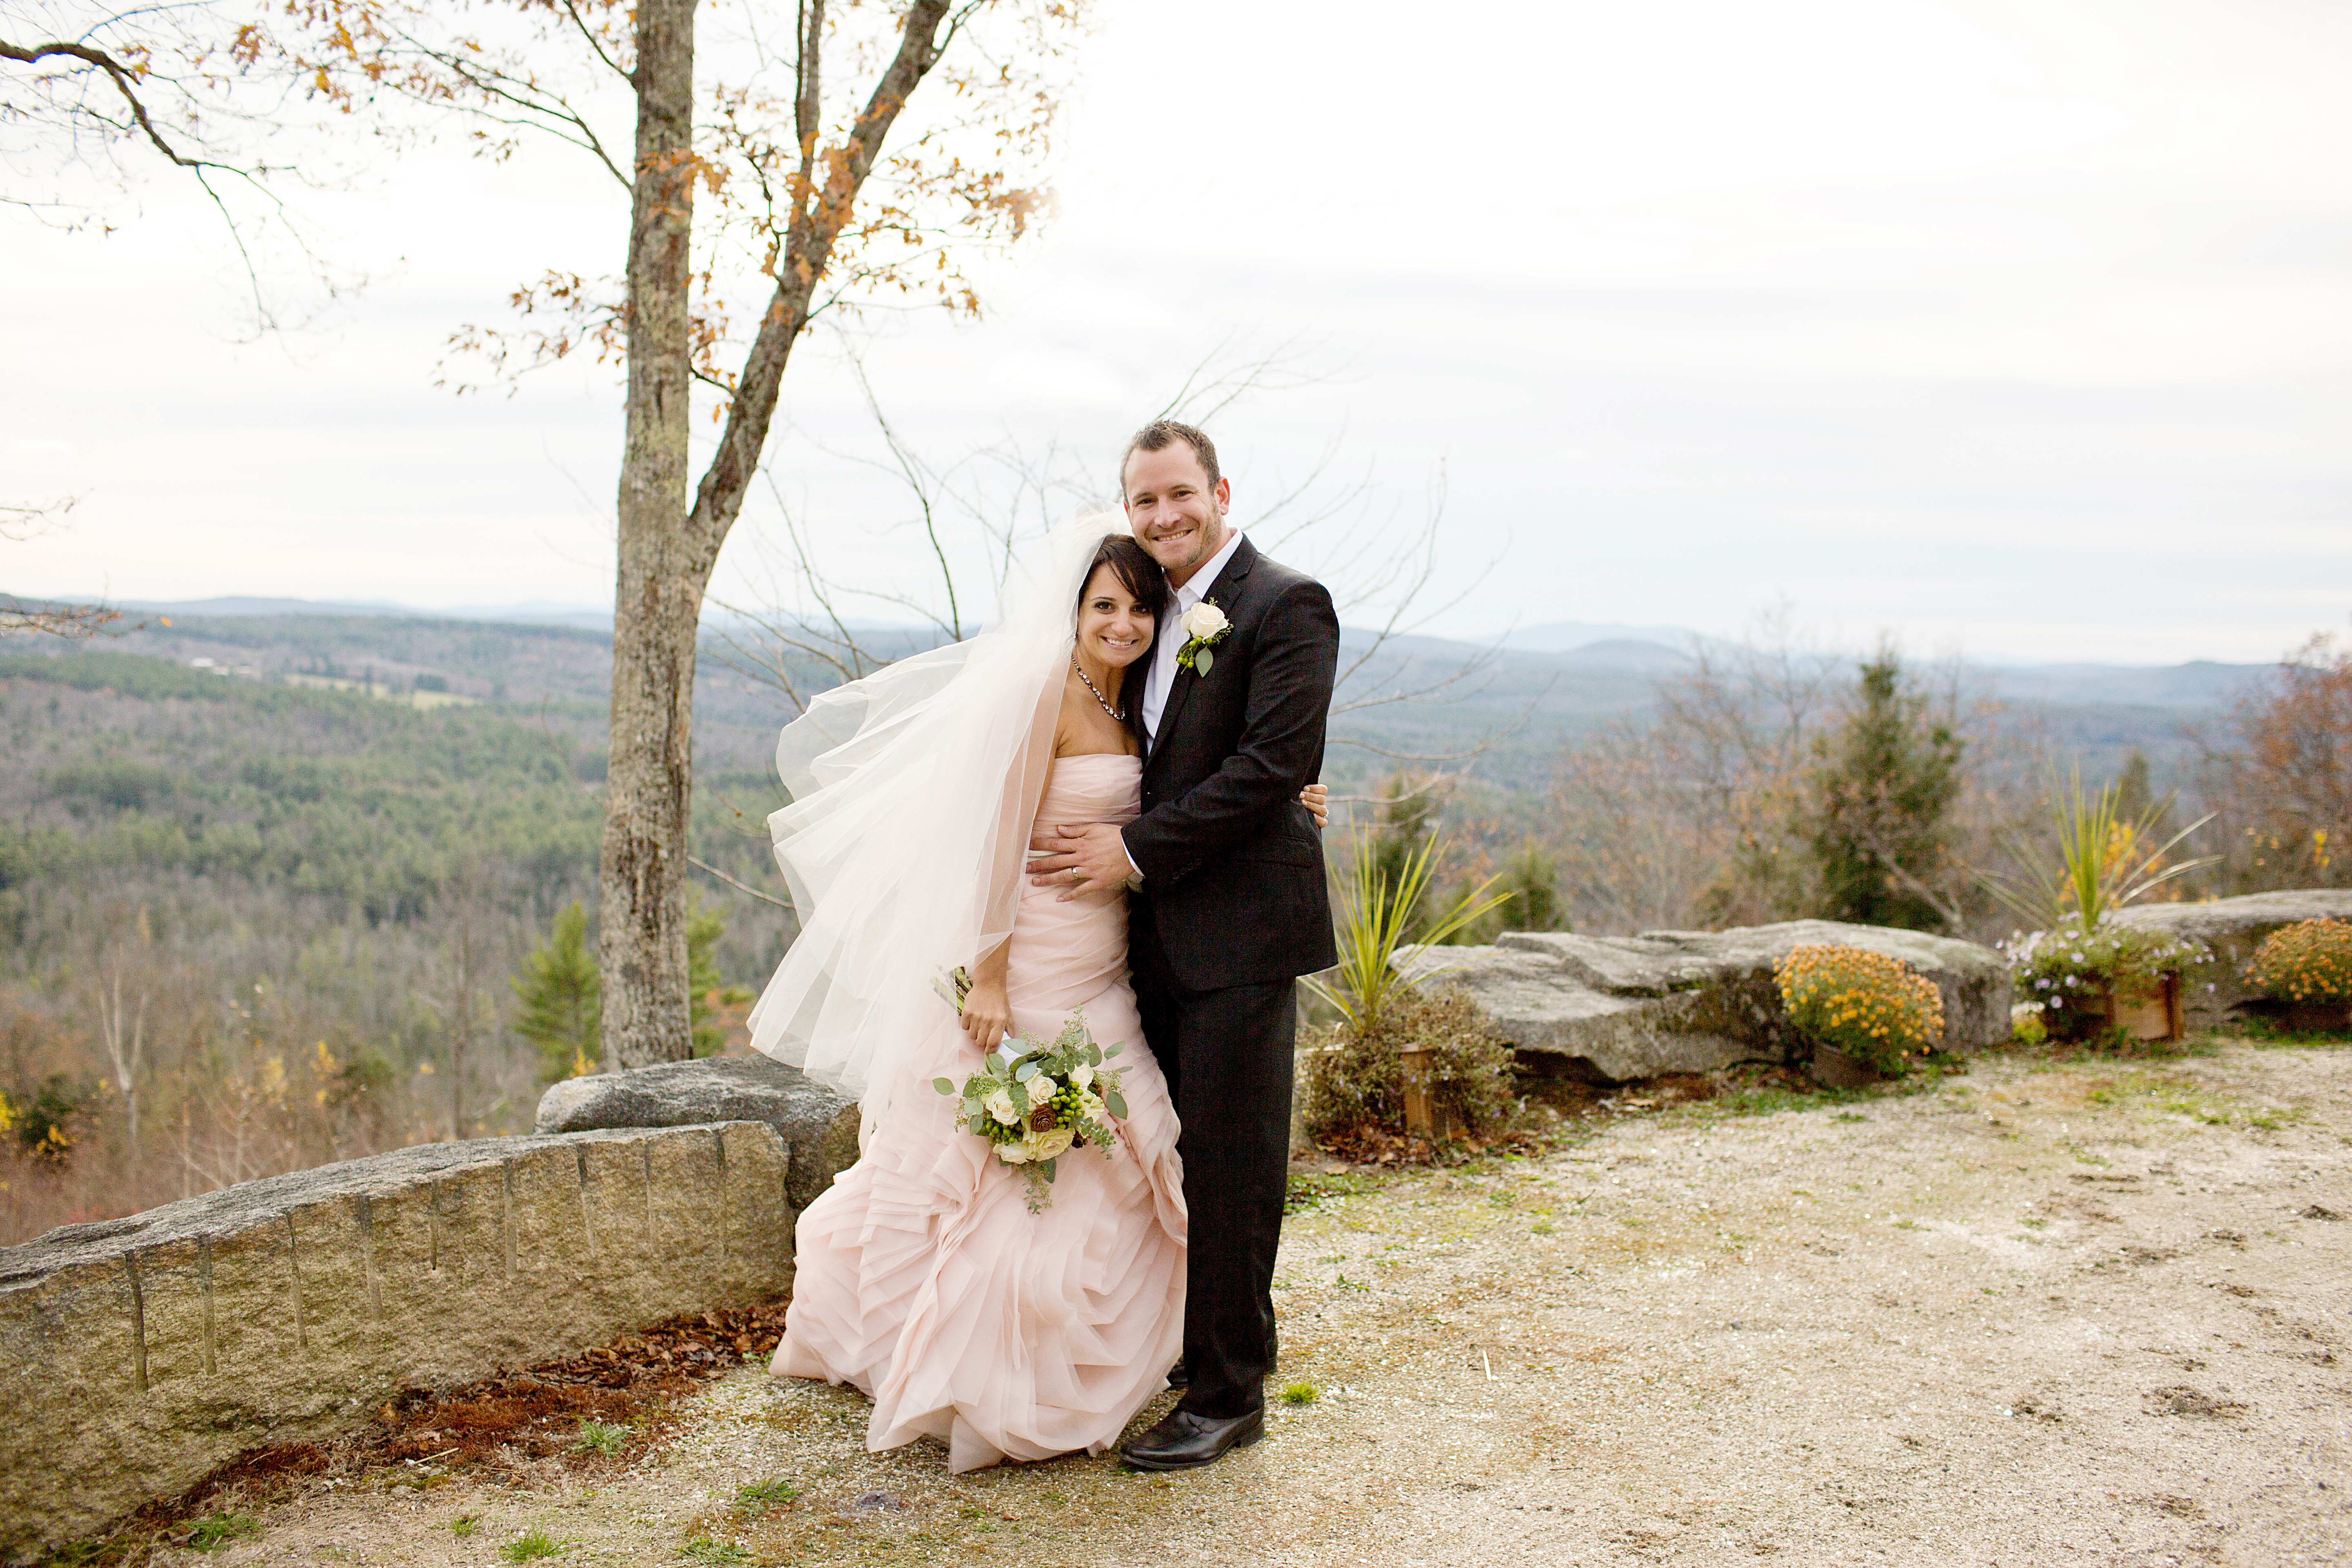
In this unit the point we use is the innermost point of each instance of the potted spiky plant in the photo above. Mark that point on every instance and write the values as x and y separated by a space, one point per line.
2087 973
1379 916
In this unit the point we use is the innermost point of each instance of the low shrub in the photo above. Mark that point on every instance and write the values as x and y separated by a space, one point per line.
2310 961
1869 1006
1355 1074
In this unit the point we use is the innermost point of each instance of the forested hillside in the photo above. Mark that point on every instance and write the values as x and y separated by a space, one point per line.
246 926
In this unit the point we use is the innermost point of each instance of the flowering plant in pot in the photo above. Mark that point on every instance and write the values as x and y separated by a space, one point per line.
2086 981
1867 1015
2307 967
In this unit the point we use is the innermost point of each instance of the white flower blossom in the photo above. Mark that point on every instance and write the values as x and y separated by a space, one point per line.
1000 1105
1204 621
1048 1146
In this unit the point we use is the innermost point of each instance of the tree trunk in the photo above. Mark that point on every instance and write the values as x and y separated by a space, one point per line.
658 604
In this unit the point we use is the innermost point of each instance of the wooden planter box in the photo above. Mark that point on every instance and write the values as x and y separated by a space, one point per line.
1427 1112
2315 1017
2153 1018
1833 1068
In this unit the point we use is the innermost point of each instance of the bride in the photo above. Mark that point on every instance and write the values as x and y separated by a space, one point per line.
923 1277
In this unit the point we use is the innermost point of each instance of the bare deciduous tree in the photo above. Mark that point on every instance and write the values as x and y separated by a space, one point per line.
811 191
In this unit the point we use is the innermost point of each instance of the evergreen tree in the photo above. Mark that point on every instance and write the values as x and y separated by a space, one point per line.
557 989
1408 817
706 991
1882 783
1533 884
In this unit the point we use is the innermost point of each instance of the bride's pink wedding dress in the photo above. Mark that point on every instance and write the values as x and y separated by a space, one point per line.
922 1277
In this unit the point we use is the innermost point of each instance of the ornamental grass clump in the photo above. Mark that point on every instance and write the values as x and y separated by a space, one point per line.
1867 1005
2310 961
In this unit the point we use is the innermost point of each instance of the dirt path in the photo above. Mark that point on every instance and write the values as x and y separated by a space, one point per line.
2038 1314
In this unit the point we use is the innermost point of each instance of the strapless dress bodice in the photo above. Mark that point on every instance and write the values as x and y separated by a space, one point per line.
1097 787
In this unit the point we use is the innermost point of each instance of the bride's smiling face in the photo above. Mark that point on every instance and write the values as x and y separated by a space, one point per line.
1112 627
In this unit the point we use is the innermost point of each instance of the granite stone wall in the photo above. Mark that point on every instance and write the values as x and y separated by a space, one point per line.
137 1355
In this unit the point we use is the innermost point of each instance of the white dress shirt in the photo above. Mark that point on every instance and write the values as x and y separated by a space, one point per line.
1161 678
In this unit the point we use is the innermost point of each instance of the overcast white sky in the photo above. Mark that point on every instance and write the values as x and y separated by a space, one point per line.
2023 329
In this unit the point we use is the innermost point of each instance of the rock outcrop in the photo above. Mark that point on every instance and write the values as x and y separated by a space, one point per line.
138 1355
1669 1000
2213 994
818 1127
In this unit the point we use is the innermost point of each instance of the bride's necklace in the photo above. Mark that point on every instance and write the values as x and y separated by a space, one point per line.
1118 717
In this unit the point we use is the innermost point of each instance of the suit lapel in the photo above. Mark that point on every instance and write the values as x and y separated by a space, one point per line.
1228 584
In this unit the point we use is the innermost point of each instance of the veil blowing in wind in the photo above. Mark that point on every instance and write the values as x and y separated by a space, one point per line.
913 794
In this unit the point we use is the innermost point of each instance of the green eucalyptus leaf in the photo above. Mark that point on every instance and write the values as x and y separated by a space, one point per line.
1115 1103
945 1085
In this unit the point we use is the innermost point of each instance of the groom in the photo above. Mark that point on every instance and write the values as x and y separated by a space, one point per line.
1229 905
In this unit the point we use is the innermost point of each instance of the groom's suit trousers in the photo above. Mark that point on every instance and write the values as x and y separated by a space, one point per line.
1227 1055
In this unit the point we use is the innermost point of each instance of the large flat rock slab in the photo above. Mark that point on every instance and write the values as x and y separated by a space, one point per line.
139 1354
818 1127
1628 1007
2214 992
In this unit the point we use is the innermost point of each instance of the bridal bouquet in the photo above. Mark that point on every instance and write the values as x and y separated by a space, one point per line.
1035 1102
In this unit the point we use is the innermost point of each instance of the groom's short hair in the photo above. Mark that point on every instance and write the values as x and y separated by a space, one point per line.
1162 433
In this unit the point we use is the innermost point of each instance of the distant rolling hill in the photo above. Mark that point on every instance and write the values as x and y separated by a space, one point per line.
1409 704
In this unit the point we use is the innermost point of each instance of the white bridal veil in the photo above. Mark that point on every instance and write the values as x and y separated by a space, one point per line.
913 793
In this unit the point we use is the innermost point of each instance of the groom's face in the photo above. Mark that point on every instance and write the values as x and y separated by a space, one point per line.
1177 515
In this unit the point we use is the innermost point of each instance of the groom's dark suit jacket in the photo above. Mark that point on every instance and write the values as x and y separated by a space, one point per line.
1233 865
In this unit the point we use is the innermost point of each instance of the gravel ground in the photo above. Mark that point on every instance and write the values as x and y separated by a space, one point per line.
2046 1313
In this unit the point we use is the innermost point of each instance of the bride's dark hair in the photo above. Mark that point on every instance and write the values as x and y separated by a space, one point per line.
1137 572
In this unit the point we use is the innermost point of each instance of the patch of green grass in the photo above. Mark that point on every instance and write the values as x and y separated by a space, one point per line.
215 1530
1309 1189
1302 1391
704 1549
465 1524
1541 1227
530 1546
602 1438
86 1553
758 1496
1849 1116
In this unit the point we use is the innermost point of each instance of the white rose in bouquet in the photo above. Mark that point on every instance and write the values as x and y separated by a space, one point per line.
1042 1089
1048 1145
1012 1153
1082 1075
1000 1105
1204 621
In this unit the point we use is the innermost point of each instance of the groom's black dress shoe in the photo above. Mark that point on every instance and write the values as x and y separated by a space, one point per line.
1183 1440
1180 1375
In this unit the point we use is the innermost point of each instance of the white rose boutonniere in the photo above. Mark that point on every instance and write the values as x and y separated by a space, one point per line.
1204 626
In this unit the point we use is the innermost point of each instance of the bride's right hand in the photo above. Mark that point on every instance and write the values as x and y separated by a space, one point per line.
987 1013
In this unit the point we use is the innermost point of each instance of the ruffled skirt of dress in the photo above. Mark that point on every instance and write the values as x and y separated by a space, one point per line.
924 1281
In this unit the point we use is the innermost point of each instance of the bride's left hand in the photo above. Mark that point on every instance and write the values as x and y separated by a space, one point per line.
1316 798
